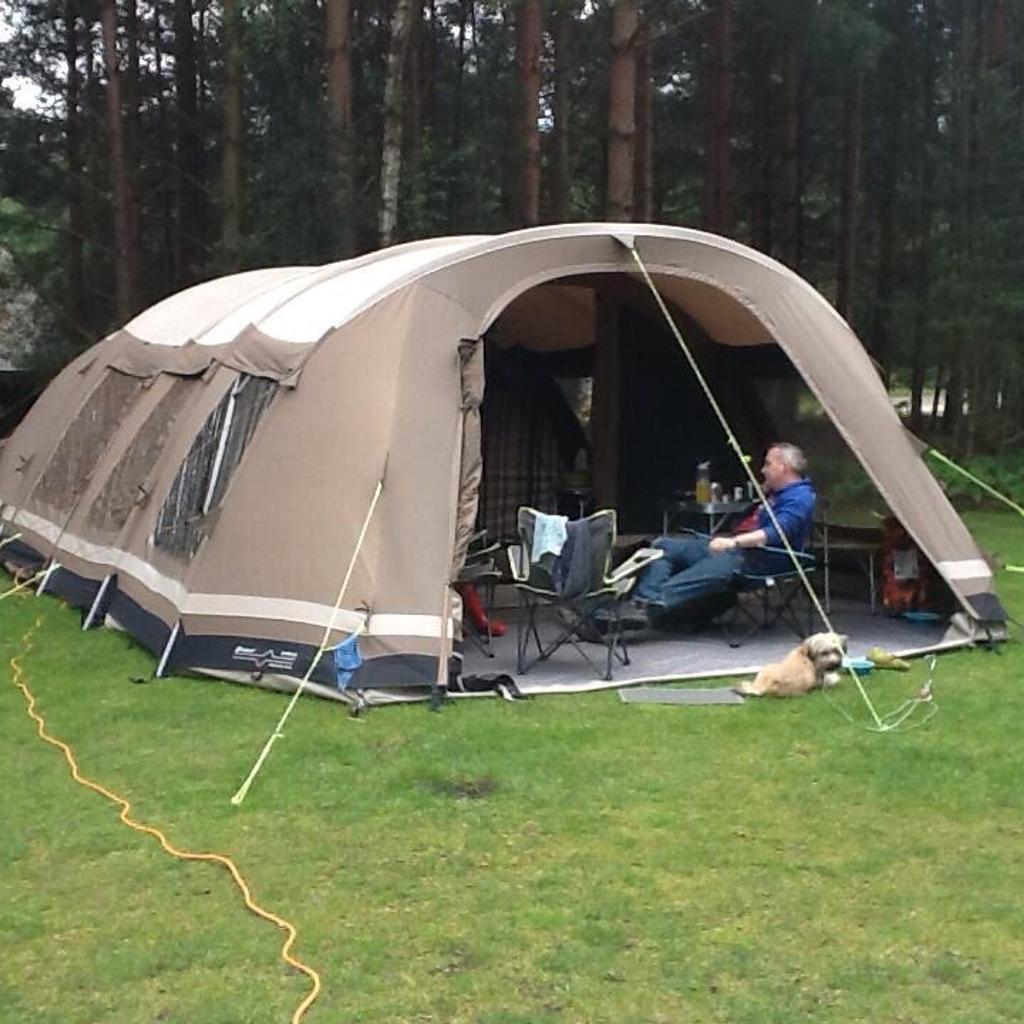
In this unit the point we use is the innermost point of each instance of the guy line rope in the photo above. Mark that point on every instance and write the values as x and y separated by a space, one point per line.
277 733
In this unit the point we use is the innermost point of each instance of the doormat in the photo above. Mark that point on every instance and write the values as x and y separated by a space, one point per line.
666 695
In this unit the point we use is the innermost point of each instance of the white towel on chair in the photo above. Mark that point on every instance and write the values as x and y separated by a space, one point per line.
549 533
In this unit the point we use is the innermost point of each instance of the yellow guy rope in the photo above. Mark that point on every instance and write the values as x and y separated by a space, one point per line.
19 679
7 540
946 461
23 584
745 462
277 734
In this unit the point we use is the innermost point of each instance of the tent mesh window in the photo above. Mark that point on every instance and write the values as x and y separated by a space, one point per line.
85 440
204 475
521 463
124 486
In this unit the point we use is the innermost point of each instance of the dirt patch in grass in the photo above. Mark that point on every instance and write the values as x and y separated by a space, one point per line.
463 788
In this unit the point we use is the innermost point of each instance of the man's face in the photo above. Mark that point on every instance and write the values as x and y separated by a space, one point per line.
775 472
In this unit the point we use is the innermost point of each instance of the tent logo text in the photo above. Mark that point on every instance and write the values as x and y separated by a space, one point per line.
266 659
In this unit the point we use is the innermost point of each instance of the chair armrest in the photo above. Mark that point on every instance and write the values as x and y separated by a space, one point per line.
515 562
475 554
805 558
478 573
632 565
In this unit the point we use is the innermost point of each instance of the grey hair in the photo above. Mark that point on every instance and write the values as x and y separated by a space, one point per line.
791 455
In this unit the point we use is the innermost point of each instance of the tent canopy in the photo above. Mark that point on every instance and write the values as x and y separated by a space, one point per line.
203 475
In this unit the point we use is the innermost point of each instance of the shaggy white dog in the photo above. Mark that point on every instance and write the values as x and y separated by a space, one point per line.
812 665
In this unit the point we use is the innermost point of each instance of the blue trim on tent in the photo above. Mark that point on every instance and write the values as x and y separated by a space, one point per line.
230 653
21 554
150 630
78 591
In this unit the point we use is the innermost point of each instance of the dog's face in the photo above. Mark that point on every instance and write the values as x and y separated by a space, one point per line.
826 651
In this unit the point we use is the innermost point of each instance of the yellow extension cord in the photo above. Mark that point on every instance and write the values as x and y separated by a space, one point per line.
19 679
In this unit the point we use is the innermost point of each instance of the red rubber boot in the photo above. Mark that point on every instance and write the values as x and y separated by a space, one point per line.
475 612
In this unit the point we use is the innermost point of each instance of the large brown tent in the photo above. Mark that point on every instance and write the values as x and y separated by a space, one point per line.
202 477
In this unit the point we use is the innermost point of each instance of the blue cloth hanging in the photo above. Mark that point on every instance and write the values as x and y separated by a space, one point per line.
347 660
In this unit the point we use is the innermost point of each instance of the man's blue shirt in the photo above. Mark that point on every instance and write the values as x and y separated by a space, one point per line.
794 509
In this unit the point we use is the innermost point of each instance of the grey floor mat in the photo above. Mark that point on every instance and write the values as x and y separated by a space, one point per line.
660 657
669 695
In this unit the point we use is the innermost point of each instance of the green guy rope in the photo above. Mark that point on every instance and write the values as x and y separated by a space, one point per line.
947 461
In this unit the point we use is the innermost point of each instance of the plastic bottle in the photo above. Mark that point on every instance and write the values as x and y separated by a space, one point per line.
702 490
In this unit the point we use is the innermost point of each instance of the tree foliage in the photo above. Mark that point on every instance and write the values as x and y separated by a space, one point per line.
875 145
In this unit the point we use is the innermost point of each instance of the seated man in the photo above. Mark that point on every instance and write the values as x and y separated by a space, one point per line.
699 567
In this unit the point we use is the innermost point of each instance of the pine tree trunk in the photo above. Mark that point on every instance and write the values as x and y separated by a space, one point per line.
718 212
391 149
562 44
457 192
851 190
165 151
190 212
415 88
95 175
789 243
926 206
126 257
528 49
622 111
231 169
339 112
428 61
73 155
643 171
763 156
130 98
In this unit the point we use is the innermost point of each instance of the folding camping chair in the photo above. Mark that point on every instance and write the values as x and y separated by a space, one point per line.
764 600
481 571
594 613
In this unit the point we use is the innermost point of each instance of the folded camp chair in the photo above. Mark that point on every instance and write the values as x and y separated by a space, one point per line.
481 570
763 600
593 612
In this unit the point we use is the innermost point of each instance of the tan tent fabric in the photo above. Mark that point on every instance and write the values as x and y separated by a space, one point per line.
369 374
471 379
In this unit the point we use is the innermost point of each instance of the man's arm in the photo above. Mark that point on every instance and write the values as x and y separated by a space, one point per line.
752 539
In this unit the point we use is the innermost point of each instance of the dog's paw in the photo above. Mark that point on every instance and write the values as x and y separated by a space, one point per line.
830 679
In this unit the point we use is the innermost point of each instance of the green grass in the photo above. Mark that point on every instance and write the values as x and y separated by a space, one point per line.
565 859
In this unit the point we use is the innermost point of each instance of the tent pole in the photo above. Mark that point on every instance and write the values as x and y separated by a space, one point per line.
166 653
96 601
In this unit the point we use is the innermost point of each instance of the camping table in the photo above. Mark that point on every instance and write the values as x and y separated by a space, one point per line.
713 513
865 553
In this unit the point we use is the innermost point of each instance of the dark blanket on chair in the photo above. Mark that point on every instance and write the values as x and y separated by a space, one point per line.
572 569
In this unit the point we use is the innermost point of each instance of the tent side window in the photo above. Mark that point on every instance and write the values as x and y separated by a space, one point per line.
204 475
124 485
85 440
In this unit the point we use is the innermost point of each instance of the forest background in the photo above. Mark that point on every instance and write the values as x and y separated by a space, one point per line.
875 146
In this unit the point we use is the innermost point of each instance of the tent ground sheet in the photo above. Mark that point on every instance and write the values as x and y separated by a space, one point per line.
657 656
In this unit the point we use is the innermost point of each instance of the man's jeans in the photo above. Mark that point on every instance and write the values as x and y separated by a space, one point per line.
689 571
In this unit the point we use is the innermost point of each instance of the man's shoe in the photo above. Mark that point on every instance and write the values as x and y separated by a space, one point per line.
634 614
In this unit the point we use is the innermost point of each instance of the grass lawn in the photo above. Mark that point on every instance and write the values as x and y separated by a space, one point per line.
568 859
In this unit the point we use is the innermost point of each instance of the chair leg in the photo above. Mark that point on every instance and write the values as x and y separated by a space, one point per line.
524 628
729 624
614 639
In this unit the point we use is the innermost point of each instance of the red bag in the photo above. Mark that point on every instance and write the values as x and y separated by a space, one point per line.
906 573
